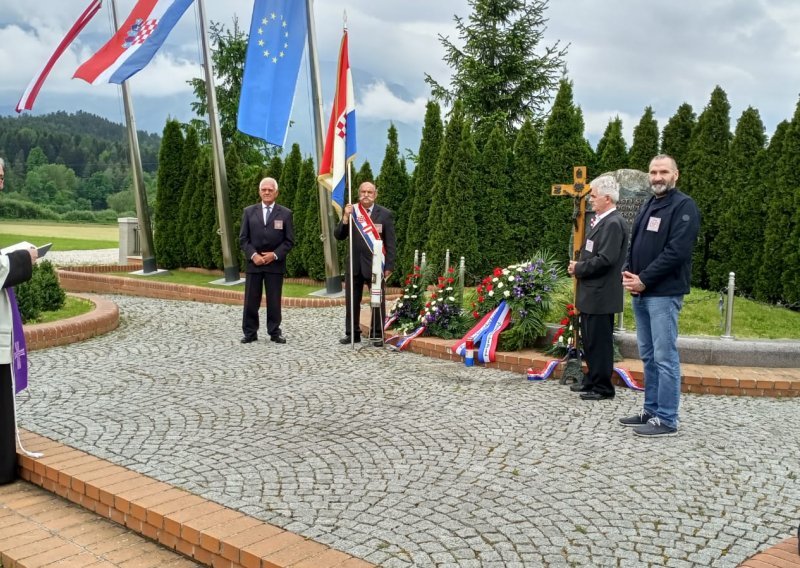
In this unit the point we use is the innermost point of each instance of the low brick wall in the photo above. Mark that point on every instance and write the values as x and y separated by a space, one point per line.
102 319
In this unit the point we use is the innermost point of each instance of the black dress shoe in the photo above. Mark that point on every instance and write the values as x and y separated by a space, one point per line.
377 342
346 340
277 338
248 339
596 396
580 387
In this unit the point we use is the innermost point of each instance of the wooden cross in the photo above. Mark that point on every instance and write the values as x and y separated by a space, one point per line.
578 191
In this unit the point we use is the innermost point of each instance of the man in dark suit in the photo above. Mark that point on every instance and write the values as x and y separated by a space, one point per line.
599 296
362 261
266 237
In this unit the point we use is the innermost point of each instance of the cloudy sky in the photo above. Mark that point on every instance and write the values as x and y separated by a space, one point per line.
623 55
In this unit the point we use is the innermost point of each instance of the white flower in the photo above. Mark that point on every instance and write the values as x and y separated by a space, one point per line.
449 289
415 286
561 339
506 293
399 304
519 269
405 296
491 293
510 278
494 279
451 298
500 284
505 271
414 297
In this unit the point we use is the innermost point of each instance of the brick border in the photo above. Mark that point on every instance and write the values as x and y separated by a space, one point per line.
201 530
102 319
782 555
697 379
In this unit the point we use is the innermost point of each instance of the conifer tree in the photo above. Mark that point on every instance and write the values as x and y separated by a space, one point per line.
703 176
311 249
362 175
274 170
287 183
392 184
563 147
186 225
416 235
491 205
742 209
768 287
171 179
240 191
208 245
790 188
458 216
501 74
304 205
526 198
645 142
445 163
614 154
676 135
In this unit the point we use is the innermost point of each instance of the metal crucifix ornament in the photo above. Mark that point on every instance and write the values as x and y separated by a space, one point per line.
578 190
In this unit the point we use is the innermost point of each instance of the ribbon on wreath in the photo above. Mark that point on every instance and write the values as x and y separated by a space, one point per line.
389 320
544 374
486 333
403 341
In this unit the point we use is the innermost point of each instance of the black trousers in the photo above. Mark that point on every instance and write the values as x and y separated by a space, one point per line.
597 331
254 283
8 439
353 298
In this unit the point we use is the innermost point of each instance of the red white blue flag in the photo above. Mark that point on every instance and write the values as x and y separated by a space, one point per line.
135 43
33 88
340 144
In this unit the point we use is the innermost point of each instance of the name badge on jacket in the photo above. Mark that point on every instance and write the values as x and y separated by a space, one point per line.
379 227
653 224
589 245
278 224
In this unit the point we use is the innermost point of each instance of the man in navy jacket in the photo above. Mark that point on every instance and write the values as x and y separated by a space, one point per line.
658 273
266 237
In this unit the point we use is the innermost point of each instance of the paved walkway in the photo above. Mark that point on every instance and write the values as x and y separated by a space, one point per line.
408 461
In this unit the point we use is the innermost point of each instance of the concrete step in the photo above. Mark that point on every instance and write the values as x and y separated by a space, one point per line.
206 533
38 528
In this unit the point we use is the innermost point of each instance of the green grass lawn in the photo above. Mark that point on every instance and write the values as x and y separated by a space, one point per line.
192 278
72 307
59 243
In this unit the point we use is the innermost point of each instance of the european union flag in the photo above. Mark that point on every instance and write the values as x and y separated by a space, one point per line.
272 62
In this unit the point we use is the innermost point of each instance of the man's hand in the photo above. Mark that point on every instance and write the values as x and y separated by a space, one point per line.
632 283
34 254
348 210
386 274
571 267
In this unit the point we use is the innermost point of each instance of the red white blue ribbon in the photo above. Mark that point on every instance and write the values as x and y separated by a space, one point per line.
403 341
626 377
389 321
543 374
487 333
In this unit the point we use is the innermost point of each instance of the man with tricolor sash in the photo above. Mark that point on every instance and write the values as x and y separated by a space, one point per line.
373 232
15 267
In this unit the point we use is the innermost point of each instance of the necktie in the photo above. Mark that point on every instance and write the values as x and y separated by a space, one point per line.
593 222
267 211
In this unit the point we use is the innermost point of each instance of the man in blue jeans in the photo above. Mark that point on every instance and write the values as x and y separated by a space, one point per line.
657 274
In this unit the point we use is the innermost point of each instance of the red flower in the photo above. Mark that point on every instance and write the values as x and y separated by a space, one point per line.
565 321
473 304
476 315
480 299
570 306
440 286
450 280
427 305
450 270
489 287
498 272
433 296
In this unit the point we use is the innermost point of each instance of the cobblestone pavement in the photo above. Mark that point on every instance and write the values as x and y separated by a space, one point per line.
408 461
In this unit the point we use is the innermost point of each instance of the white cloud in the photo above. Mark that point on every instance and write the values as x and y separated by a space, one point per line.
378 102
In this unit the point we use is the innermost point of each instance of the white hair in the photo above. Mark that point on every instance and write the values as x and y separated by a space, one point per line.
607 185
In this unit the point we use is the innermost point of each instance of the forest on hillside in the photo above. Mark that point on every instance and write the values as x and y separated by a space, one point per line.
73 166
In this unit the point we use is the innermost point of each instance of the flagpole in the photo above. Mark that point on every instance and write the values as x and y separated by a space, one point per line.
139 193
355 311
229 261
333 281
